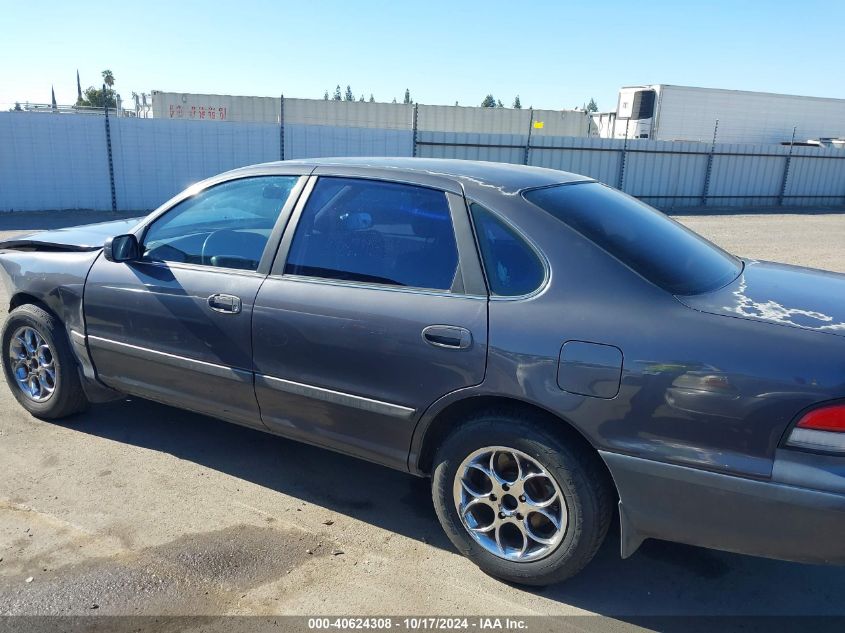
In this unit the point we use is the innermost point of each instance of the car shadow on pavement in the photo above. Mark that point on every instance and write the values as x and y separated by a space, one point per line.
661 579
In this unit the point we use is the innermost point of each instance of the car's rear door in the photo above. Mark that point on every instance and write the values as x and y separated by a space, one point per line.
374 309
175 326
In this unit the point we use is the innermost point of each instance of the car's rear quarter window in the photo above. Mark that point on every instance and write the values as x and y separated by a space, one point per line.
512 267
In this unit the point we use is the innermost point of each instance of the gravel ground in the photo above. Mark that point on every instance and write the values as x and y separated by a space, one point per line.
805 240
138 508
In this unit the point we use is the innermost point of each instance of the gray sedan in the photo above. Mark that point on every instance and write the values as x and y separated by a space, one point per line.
545 348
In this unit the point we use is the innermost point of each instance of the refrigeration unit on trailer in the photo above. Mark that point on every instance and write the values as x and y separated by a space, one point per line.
681 113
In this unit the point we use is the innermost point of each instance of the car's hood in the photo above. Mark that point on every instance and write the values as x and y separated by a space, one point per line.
777 293
88 237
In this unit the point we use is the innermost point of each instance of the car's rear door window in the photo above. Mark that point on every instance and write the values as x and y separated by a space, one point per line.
658 248
376 232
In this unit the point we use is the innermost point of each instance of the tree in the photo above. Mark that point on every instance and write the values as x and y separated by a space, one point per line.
407 97
372 100
489 102
394 99
516 103
456 103
78 89
17 107
349 96
361 99
337 95
94 98
326 96
499 103
100 98
592 106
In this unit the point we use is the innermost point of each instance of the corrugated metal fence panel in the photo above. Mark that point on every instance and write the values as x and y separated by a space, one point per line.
814 173
597 158
357 114
60 161
156 159
666 174
459 119
502 148
314 141
53 162
747 175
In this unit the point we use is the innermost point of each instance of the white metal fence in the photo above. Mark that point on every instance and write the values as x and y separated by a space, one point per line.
50 162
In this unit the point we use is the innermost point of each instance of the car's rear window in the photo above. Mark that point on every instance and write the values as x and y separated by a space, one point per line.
658 248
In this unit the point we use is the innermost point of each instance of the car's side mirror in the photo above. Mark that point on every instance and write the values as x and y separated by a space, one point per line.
121 248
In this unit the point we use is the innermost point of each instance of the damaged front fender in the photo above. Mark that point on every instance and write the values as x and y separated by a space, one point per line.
56 280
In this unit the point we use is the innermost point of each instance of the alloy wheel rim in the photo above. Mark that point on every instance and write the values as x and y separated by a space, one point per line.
33 364
510 504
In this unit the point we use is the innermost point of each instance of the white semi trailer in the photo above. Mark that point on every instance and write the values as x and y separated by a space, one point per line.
682 113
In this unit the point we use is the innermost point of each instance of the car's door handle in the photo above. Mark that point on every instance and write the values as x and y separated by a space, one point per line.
450 336
229 304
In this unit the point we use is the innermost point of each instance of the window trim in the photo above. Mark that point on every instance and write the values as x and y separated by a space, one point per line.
198 267
468 280
270 248
538 252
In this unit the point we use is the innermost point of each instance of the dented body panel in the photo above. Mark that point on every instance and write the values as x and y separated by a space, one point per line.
89 237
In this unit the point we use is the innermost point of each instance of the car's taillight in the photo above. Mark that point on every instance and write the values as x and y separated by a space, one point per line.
821 429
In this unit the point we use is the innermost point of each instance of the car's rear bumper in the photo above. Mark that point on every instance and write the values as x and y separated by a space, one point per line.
761 518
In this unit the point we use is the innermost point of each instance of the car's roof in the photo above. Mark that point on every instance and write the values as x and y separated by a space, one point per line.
503 176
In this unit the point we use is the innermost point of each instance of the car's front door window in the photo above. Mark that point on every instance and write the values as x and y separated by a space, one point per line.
225 226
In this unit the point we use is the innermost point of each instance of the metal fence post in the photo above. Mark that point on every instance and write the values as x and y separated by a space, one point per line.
416 114
528 141
621 180
282 127
709 169
108 149
785 179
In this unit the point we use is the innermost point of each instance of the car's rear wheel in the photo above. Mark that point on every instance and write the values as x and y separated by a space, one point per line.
521 502
39 365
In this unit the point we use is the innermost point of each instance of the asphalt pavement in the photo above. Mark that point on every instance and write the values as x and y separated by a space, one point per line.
138 508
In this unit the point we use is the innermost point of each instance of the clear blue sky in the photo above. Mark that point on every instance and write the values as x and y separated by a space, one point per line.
553 54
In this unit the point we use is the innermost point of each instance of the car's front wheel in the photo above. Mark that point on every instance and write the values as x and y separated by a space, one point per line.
521 502
39 365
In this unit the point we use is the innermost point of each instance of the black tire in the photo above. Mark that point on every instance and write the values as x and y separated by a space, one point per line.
583 482
68 396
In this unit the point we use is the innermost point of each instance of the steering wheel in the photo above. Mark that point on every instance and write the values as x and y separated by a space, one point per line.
212 242
232 249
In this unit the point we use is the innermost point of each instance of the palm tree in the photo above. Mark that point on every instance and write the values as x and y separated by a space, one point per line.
108 77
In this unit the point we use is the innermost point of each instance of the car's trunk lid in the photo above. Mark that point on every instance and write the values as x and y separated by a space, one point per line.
781 294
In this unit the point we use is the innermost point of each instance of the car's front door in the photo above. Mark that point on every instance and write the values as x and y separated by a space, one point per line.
175 325
375 308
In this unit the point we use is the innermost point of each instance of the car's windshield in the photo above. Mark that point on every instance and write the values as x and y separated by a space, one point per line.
649 242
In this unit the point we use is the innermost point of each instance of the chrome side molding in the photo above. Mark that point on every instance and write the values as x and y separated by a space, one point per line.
335 397
181 362
241 375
